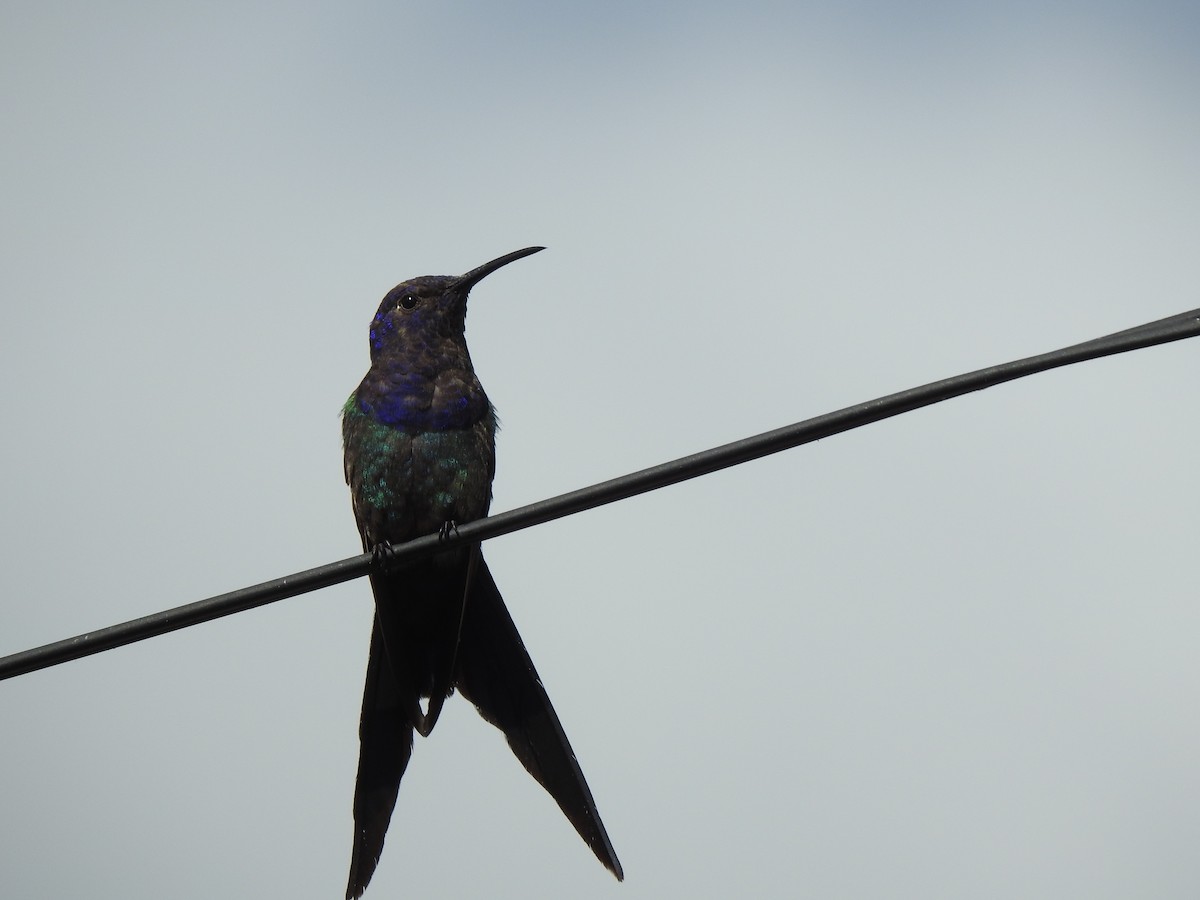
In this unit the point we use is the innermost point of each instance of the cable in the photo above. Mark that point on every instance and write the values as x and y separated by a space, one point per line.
1172 328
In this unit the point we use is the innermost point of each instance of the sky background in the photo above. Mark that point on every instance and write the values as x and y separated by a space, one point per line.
948 655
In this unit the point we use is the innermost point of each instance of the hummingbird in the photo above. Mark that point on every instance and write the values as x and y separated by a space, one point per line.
419 435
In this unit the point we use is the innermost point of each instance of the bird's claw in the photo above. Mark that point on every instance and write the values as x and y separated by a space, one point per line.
383 557
448 527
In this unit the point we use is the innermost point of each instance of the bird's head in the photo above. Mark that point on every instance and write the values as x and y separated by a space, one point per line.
431 308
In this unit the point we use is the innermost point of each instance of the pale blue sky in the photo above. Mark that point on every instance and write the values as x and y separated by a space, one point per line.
949 655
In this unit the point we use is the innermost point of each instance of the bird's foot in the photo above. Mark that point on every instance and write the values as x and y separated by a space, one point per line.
383 557
448 528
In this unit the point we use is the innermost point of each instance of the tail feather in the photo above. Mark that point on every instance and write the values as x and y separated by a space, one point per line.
496 674
385 735
412 648
422 635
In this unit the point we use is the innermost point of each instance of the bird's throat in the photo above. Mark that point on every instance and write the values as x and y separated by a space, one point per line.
416 401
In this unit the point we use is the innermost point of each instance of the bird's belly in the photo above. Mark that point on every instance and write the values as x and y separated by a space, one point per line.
407 485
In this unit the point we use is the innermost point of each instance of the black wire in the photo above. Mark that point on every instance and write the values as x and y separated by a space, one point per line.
1173 328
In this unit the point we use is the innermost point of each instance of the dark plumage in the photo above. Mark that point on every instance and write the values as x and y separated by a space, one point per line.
419 436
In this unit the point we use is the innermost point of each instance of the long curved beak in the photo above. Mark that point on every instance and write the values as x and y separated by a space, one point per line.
466 282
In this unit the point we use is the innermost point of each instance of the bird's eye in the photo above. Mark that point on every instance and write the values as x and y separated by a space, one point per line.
409 301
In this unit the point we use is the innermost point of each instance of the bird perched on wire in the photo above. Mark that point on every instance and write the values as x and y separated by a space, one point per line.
419 438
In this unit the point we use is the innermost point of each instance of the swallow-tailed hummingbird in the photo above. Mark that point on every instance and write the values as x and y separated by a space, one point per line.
419 437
